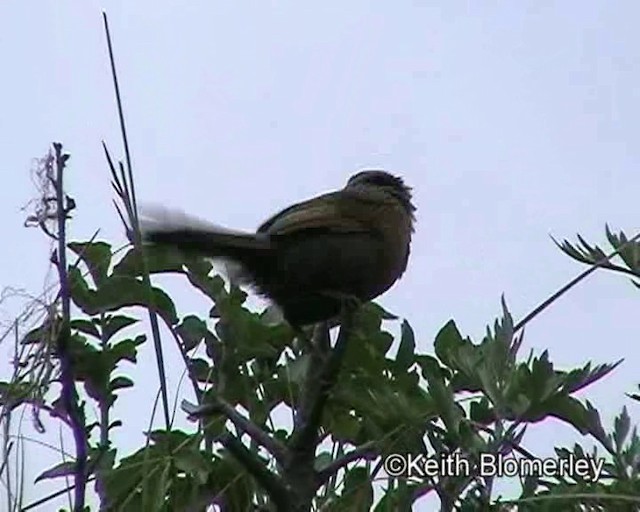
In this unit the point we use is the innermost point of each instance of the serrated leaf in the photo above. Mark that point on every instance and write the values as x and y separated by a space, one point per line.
573 252
571 411
585 376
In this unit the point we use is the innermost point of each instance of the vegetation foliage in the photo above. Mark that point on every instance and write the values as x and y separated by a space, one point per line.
379 398
353 395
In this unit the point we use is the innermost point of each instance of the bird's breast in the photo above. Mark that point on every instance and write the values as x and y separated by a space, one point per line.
393 252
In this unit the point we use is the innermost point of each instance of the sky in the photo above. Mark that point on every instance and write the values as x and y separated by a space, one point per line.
512 121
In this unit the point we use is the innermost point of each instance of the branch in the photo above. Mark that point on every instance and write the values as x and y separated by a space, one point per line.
320 379
366 451
244 425
258 470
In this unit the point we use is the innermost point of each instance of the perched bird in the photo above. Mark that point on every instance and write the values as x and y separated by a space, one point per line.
310 257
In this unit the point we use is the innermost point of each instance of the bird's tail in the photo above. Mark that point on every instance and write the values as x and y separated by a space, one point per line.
163 226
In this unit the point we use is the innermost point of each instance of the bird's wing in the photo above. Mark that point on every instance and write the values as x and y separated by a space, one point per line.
325 212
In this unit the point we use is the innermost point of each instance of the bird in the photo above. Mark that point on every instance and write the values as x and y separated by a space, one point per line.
311 257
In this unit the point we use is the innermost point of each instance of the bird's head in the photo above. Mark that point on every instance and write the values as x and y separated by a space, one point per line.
393 185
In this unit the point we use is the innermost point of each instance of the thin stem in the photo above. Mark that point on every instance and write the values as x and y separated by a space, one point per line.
69 394
129 197
598 264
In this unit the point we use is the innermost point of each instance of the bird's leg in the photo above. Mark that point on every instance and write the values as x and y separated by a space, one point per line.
307 340
302 340
314 340
321 342
348 302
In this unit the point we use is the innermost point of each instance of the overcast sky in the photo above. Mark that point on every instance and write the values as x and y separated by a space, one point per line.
511 120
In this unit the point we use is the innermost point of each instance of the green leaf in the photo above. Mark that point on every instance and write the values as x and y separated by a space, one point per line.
442 394
120 383
357 493
126 349
14 394
243 332
296 369
140 482
397 499
85 326
322 461
583 377
380 311
171 440
201 370
66 468
192 330
429 366
406 351
343 425
78 287
629 251
116 293
447 342
481 412
115 323
211 286
569 410
96 256
159 259
368 319
192 462
634 396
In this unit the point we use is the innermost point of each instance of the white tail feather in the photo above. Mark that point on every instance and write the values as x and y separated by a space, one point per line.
155 217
